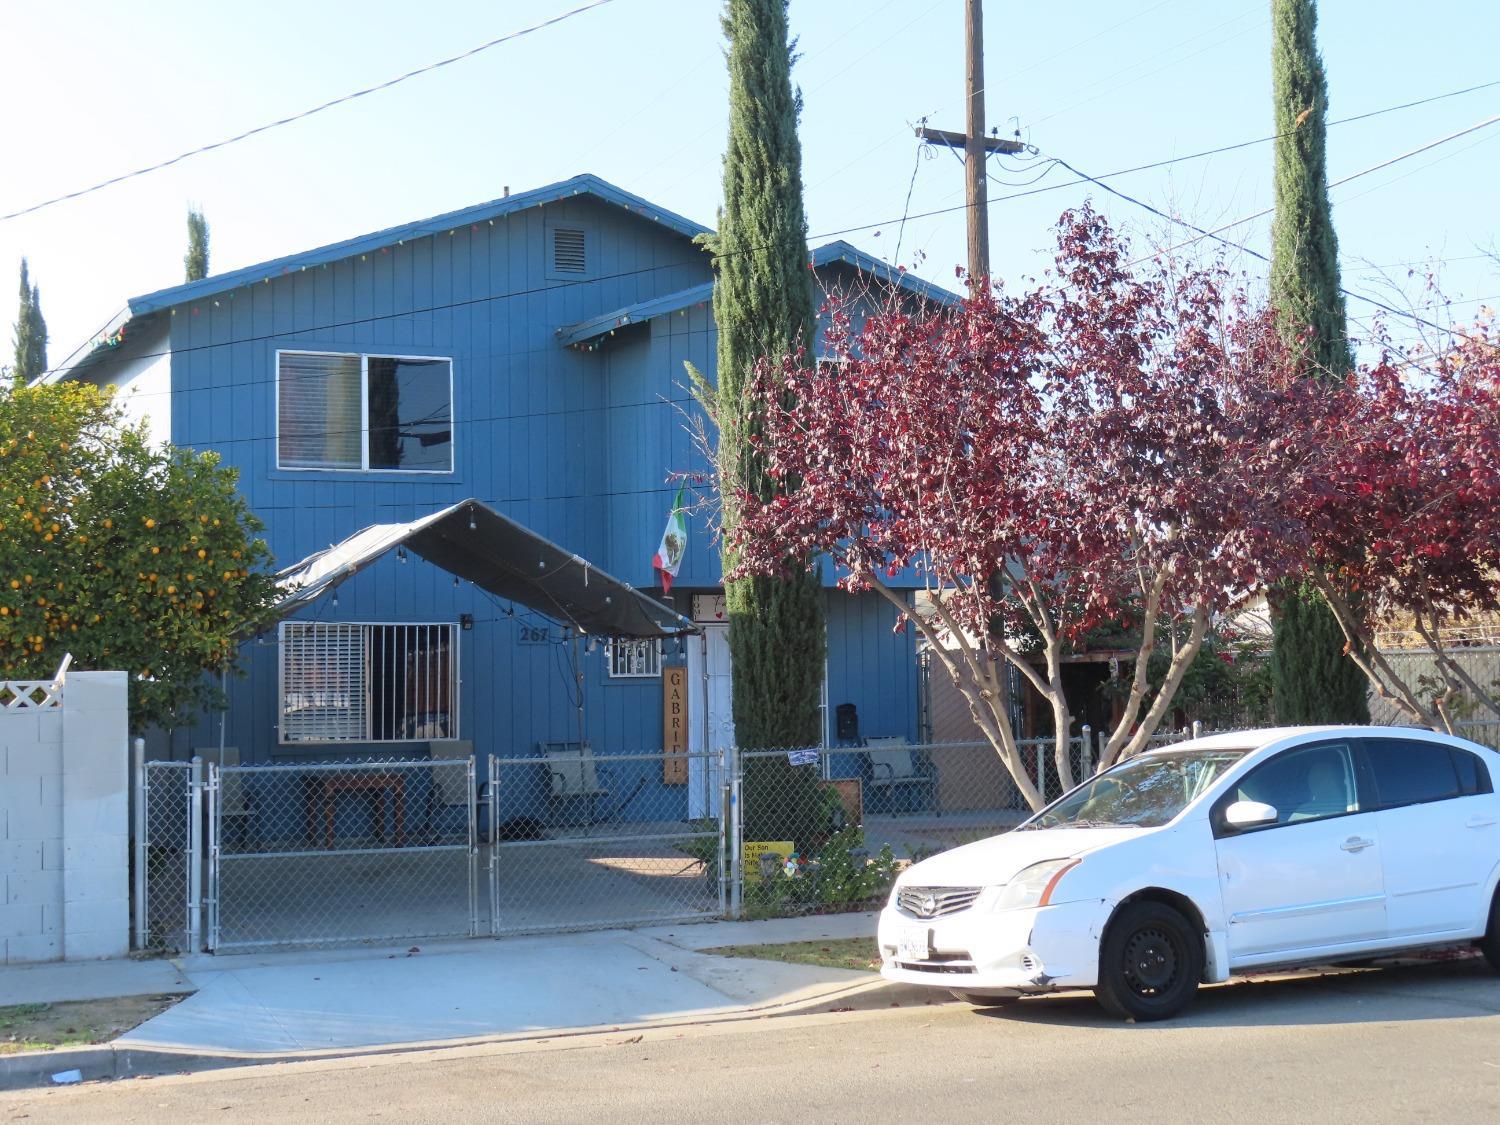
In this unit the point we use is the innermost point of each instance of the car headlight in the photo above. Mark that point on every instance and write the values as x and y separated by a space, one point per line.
1033 886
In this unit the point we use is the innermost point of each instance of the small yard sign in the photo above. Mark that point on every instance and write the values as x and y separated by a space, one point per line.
763 858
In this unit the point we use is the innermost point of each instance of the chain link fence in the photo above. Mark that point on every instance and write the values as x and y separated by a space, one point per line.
369 851
590 841
163 856
826 830
1418 668
341 852
1483 731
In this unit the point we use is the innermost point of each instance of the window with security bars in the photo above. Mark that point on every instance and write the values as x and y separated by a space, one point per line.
370 413
634 659
347 682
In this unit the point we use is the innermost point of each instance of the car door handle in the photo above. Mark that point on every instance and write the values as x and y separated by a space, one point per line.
1480 822
1356 844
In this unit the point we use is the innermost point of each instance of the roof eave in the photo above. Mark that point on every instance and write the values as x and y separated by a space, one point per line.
586 184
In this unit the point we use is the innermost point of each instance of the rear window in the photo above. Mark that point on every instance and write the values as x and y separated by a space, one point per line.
1473 777
1411 772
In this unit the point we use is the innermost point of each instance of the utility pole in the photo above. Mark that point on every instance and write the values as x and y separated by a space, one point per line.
976 146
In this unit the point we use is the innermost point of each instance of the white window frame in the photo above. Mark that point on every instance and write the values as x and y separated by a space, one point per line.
364 411
626 650
367 717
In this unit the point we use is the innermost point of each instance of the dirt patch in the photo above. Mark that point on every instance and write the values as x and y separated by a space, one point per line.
74 1023
859 954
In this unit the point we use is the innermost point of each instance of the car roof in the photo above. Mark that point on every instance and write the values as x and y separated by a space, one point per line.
1272 738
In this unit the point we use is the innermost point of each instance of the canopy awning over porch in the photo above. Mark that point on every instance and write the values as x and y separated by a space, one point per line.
476 543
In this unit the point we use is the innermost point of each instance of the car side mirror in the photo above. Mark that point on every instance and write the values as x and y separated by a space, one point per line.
1250 814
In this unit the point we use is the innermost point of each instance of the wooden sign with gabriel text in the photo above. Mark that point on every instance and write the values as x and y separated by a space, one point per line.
674 726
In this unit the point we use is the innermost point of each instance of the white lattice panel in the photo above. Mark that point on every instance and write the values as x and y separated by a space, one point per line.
30 695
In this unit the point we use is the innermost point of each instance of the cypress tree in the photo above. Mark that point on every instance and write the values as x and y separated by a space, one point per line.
1313 681
1305 287
31 332
1310 680
763 307
195 261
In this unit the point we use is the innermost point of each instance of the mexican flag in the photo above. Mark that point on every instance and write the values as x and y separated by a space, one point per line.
668 557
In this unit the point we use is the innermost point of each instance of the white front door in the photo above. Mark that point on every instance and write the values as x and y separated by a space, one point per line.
710 717
1311 880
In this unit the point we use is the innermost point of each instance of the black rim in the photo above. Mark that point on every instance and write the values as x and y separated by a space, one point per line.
1152 962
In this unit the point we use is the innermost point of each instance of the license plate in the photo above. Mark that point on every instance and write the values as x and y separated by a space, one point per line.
914 945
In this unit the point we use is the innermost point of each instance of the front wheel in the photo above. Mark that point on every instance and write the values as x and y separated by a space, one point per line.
984 999
1489 945
1150 962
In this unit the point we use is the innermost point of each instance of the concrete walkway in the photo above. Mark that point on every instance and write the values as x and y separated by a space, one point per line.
90 980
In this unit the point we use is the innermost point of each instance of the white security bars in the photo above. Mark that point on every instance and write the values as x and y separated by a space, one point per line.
368 682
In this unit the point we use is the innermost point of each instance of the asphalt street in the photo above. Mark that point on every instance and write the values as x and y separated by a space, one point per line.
1385 1045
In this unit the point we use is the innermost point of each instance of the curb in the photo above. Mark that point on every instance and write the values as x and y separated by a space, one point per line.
113 1060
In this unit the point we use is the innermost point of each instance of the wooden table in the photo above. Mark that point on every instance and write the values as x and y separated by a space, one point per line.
322 793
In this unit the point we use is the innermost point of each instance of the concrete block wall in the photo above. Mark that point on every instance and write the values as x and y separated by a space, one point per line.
65 824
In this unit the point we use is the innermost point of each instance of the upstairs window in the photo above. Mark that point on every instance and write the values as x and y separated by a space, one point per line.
364 413
630 659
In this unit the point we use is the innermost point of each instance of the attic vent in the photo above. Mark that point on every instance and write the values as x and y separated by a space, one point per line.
568 251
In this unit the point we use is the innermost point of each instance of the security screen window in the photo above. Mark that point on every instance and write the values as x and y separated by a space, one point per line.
364 412
368 682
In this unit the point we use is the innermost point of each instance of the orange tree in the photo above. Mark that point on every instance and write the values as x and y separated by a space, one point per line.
127 555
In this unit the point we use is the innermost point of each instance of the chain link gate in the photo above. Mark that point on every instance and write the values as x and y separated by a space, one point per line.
341 853
163 856
583 841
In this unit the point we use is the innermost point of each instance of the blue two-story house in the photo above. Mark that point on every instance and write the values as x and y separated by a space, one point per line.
527 352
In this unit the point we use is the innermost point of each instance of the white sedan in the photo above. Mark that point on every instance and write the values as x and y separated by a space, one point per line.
1189 863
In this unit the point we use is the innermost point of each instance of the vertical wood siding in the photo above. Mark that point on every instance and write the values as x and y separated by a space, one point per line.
578 446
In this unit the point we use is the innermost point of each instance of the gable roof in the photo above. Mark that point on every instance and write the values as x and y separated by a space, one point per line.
496 208
605 323
840 251
833 253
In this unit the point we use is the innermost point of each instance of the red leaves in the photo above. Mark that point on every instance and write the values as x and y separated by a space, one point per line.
1123 430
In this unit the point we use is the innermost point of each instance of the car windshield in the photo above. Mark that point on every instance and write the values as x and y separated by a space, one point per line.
1143 792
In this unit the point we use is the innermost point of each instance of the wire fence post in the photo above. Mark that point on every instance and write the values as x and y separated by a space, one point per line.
1086 764
736 834
211 898
494 799
726 805
195 857
1041 772
473 810
1197 728
138 754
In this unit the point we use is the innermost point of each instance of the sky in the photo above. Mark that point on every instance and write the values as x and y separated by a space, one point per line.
635 91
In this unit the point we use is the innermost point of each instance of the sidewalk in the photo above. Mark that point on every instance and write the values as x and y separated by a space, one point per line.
52 983
260 1008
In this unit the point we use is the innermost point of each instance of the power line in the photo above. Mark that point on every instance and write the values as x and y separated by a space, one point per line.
1339 182
1010 76
1098 180
470 53
1214 234
1221 149
940 211
1142 77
